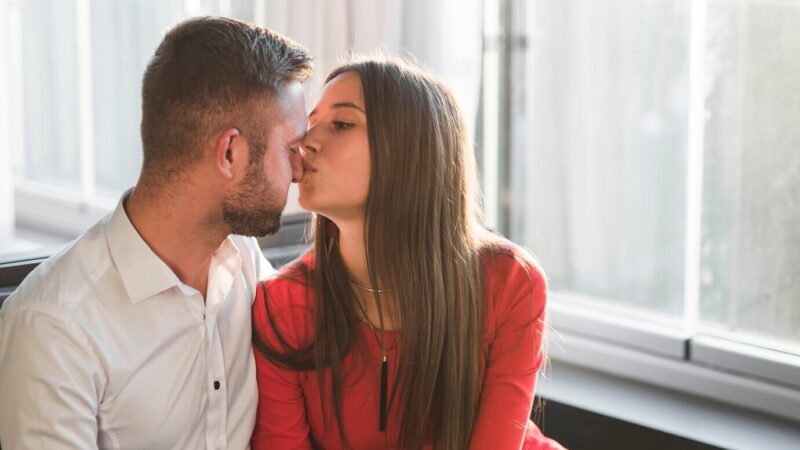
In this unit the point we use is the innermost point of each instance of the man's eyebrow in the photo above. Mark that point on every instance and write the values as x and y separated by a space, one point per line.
298 136
342 105
298 139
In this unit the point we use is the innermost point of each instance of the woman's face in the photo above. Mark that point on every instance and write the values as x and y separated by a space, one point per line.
336 152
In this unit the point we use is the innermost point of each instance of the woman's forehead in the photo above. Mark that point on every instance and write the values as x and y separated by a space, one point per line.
346 87
343 90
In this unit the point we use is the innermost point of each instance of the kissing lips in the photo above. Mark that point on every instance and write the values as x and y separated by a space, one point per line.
308 168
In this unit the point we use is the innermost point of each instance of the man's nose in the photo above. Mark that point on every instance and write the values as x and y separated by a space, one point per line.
297 165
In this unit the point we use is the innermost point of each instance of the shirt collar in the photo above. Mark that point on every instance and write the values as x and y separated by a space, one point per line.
226 263
143 273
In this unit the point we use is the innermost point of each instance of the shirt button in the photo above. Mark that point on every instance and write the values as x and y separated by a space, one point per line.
216 385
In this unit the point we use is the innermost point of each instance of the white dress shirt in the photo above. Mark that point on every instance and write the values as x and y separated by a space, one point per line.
102 346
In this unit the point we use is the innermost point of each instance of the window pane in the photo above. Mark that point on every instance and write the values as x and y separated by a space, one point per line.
50 91
124 37
750 278
598 160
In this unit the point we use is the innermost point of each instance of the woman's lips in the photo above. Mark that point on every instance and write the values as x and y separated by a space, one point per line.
308 167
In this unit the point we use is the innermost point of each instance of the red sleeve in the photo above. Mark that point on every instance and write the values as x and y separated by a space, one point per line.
517 294
281 421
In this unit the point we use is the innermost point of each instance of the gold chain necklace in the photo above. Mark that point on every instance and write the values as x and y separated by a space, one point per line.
368 289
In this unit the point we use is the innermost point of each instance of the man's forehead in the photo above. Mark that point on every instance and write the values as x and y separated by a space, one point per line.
288 112
290 97
296 120
297 127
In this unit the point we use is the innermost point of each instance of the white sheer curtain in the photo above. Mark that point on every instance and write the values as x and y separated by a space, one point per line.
598 159
8 98
71 91
6 186
443 36
602 188
750 260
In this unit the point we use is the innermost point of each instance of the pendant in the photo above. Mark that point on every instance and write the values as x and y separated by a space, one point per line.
384 382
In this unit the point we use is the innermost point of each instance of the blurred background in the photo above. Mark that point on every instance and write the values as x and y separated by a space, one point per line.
647 151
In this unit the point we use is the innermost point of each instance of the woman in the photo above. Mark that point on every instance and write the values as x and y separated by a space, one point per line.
408 325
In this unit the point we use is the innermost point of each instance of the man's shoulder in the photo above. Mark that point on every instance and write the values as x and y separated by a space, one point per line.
66 280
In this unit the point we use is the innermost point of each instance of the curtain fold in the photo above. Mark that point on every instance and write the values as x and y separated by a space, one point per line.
444 36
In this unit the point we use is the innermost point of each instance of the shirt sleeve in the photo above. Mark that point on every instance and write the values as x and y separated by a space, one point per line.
50 382
281 421
518 296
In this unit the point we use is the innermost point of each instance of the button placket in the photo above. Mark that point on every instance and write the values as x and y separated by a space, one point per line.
227 263
218 401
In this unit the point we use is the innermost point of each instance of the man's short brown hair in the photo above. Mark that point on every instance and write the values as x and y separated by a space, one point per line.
202 74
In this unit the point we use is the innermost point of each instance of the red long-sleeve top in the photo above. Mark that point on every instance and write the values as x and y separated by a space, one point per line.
290 414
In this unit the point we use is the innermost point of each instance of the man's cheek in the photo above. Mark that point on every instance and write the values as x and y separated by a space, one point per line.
280 166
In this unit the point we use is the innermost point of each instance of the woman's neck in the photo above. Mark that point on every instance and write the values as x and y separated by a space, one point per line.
352 249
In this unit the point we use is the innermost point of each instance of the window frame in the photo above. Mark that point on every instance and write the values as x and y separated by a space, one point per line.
661 408
636 349
59 210
711 368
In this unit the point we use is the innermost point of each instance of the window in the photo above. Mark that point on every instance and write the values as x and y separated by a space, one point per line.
71 93
648 155
73 86
750 236
599 182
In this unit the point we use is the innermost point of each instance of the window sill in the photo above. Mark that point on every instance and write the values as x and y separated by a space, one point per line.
669 395
58 211
657 353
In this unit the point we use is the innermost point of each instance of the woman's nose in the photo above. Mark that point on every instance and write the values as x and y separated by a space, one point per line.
309 143
305 149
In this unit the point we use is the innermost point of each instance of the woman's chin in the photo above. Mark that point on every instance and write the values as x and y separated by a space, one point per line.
303 203
306 202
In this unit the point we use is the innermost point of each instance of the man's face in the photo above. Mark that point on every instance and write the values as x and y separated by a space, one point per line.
279 123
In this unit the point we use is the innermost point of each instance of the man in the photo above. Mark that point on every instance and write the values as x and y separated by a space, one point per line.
137 335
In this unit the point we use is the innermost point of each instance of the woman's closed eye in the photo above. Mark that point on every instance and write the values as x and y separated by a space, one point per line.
339 126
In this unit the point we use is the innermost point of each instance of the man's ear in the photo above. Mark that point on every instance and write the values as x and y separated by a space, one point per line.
230 153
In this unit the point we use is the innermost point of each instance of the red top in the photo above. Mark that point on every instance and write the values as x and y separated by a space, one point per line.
290 412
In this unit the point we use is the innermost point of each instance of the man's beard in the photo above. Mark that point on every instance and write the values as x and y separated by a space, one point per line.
255 210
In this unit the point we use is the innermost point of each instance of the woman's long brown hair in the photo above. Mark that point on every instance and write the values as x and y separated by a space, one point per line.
423 241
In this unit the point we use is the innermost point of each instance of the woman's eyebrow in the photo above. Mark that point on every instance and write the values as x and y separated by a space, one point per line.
348 105
341 105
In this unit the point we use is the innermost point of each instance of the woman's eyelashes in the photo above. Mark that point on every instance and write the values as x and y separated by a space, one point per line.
339 126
